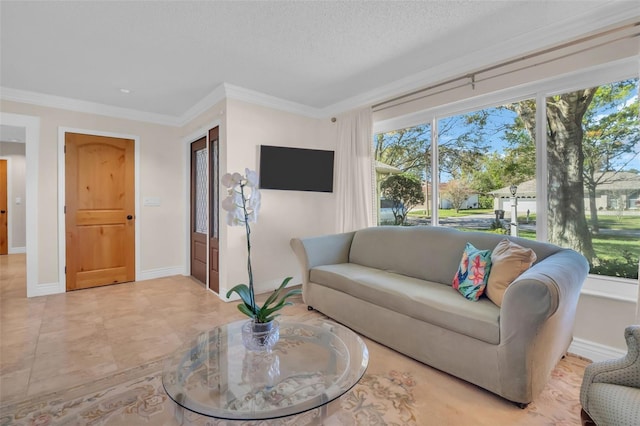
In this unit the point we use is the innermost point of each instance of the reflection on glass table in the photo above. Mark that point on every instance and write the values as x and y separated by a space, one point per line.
310 366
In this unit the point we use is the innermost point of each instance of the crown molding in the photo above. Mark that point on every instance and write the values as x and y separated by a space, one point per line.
70 104
596 19
215 96
223 91
258 98
230 91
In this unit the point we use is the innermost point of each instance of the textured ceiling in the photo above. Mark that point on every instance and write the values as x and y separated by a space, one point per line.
171 54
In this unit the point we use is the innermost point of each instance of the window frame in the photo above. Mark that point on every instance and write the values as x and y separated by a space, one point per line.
625 289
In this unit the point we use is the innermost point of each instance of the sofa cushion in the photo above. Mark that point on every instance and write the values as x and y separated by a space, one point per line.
435 303
508 261
471 277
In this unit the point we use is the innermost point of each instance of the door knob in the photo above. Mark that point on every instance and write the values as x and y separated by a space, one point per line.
3 211
129 217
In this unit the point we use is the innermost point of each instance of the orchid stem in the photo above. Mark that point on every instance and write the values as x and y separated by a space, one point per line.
248 230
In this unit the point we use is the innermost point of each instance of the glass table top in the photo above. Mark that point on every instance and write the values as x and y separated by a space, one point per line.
310 366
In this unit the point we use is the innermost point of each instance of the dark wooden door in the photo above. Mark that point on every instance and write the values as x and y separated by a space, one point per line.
214 274
199 209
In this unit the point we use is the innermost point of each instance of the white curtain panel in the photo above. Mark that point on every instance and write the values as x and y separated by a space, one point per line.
354 187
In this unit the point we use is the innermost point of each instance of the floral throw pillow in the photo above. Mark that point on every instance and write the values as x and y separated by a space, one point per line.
472 275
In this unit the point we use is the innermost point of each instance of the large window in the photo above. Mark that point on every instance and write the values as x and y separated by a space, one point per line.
593 160
486 172
481 155
403 174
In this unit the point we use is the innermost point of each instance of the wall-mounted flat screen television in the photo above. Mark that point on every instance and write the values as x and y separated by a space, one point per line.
296 169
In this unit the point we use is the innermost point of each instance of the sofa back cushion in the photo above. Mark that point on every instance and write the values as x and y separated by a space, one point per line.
430 253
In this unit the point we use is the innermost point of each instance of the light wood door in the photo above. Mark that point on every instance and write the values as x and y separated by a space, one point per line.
199 210
4 209
214 245
100 210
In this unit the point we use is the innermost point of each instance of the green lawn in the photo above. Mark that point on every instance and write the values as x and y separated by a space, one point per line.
445 213
449 213
615 222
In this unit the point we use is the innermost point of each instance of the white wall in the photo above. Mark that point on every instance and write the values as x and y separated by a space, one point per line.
161 243
284 214
15 153
602 321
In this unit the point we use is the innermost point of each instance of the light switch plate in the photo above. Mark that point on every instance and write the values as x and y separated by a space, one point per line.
151 201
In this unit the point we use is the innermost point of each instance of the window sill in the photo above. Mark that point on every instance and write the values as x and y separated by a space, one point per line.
622 289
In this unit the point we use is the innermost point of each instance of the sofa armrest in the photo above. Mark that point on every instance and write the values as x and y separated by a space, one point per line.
536 321
623 371
324 250
549 286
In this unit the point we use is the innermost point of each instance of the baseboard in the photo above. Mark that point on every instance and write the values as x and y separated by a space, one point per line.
54 288
151 274
594 351
46 289
17 250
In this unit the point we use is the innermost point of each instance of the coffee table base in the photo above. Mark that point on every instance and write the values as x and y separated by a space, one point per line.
325 415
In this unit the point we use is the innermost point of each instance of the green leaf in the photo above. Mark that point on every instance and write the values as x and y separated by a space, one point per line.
280 305
277 291
245 310
243 291
271 318
264 313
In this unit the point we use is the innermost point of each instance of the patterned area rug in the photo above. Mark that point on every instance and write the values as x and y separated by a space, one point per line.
395 390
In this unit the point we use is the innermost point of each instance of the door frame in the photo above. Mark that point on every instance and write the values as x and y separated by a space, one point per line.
32 149
202 131
62 241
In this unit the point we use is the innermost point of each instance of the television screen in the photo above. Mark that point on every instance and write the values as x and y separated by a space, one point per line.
296 169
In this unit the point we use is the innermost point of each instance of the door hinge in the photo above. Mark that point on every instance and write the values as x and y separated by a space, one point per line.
65 269
65 149
65 209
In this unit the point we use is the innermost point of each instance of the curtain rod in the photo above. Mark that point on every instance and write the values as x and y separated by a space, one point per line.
472 75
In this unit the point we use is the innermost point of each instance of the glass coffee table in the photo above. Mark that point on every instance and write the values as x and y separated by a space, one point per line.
310 366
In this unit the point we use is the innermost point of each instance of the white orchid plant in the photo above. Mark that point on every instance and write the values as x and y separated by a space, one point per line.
242 206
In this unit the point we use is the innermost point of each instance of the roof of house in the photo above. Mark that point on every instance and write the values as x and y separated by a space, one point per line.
525 189
609 181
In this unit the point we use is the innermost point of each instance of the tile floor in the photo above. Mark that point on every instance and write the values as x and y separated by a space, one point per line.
53 342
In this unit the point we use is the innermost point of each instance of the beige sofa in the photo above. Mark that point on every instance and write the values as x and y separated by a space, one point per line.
393 285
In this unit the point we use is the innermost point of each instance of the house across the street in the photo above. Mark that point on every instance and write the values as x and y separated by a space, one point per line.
616 192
